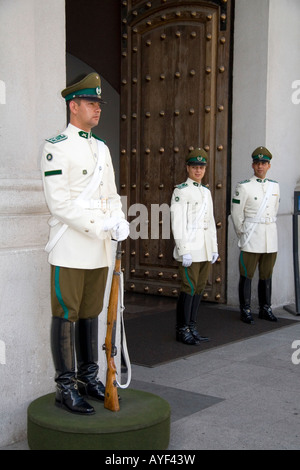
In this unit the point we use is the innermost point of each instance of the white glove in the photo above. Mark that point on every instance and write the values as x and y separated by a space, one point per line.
121 231
215 256
186 260
111 223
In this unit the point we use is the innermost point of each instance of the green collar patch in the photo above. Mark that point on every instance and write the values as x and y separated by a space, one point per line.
260 181
87 135
83 134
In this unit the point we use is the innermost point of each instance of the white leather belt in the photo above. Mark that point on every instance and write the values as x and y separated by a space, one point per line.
102 204
261 220
203 225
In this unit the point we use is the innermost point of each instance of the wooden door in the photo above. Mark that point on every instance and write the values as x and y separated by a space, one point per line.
175 96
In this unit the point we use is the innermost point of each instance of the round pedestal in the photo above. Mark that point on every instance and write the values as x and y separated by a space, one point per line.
143 423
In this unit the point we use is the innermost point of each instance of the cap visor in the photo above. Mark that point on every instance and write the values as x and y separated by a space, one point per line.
91 98
196 164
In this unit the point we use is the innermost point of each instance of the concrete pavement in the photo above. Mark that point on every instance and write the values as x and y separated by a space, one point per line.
257 385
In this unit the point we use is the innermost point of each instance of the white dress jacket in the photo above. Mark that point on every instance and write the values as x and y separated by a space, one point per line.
193 223
254 210
67 165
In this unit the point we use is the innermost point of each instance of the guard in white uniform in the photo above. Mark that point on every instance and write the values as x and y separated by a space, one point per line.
194 231
254 211
86 213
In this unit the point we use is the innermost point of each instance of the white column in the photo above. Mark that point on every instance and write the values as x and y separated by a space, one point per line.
32 71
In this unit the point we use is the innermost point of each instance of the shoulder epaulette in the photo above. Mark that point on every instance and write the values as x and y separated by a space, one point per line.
272 181
182 185
206 187
243 182
98 138
58 138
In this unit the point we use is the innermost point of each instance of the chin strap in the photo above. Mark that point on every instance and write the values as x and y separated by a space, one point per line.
123 335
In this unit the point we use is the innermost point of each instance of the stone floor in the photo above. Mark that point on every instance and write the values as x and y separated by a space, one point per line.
241 396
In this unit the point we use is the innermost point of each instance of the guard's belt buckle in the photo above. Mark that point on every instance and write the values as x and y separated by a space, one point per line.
268 220
104 204
101 204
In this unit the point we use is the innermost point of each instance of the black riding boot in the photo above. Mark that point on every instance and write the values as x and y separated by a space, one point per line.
193 321
87 359
183 316
245 300
264 299
62 346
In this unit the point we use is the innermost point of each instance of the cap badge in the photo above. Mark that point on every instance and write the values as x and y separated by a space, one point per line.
201 159
98 91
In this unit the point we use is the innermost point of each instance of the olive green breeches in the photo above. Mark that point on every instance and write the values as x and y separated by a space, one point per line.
77 293
194 278
249 261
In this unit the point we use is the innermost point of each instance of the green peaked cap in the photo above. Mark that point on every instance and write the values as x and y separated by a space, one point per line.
197 156
261 154
89 88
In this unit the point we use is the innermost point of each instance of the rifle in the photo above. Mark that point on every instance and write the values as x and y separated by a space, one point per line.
111 400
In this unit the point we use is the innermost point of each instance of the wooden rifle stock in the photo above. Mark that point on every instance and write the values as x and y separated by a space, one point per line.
111 400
